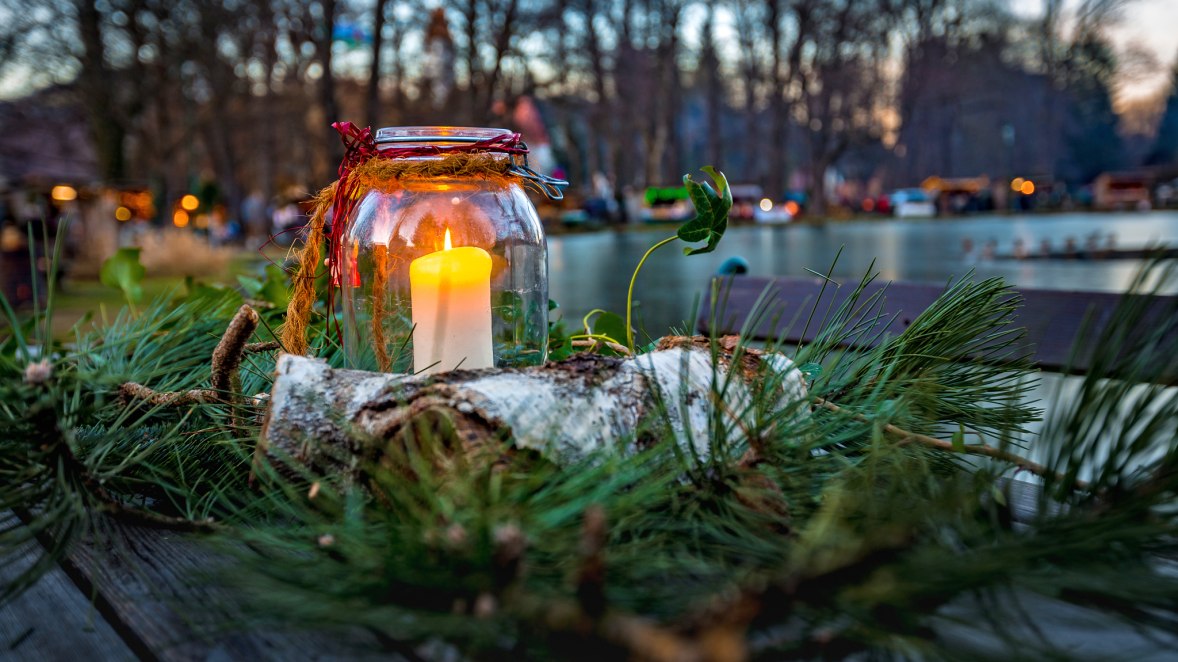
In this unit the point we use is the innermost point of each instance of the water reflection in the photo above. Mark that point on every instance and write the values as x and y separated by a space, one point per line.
590 271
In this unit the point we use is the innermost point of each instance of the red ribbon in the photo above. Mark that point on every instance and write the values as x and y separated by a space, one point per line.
359 148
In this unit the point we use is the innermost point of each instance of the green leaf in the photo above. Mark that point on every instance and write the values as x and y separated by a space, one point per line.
612 325
251 285
959 439
123 271
274 289
711 211
216 297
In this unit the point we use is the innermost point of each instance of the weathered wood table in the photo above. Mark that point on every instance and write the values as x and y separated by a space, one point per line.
145 593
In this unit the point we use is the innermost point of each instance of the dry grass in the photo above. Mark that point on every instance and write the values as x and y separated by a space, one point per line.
179 253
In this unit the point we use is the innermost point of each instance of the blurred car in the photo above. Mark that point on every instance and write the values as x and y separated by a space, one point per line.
912 203
745 198
666 204
775 212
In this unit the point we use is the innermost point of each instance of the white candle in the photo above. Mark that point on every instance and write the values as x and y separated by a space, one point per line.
450 294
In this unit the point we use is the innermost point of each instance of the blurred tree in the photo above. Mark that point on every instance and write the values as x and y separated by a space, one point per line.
712 87
840 84
1165 148
1093 144
782 91
94 82
372 106
749 27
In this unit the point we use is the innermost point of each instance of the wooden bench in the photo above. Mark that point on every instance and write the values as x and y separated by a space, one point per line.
1053 318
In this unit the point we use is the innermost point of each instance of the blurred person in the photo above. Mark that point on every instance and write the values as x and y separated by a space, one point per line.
1020 249
287 217
990 250
253 214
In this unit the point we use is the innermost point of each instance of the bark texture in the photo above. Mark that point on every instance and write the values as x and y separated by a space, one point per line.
324 417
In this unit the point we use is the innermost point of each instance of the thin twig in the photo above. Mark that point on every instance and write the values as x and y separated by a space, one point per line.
225 361
258 347
593 344
197 396
227 355
948 446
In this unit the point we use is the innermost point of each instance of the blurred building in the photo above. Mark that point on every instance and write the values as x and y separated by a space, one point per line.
45 141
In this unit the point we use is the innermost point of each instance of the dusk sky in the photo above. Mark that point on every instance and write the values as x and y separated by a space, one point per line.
1152 25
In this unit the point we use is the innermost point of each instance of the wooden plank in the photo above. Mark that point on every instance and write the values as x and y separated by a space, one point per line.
1053 318
161 590
53 620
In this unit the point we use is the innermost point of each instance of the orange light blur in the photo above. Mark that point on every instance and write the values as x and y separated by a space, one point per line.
446 245
189 202
180 218
1028 187
122 214
64 193
792 207
1016 184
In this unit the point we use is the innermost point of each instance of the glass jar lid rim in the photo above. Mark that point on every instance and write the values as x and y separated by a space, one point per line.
428 134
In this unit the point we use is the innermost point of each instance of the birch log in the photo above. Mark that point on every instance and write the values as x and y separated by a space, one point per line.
322 417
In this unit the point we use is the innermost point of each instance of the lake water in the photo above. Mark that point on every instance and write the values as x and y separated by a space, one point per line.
593 270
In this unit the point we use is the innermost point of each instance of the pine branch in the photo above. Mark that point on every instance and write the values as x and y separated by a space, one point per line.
969 449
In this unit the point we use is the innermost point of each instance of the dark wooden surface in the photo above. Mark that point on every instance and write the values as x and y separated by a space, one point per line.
150 594
54 620
1053 318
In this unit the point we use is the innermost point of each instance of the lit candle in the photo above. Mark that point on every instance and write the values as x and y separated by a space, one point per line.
450 294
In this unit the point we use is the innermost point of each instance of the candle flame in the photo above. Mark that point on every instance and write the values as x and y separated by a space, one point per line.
446 242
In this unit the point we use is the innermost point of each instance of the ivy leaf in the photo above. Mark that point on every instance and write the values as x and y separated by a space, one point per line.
711 211
274 289
123 271
612 325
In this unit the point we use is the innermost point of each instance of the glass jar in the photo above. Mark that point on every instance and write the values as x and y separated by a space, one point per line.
444 272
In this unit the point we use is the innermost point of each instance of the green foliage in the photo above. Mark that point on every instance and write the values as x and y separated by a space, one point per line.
845 536
122 271
711 212
560 344
711 220
273 289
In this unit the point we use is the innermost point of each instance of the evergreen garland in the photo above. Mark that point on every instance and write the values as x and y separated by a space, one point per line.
861 519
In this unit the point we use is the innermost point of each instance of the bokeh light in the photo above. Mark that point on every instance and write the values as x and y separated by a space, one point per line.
63 193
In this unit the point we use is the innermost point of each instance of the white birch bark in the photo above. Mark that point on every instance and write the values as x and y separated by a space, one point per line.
563 410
